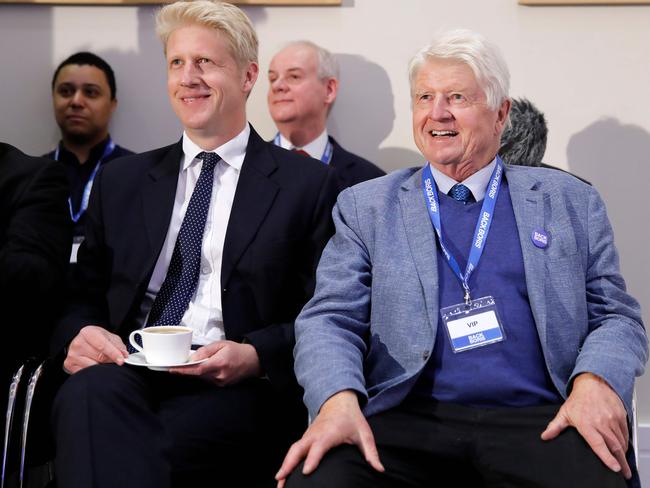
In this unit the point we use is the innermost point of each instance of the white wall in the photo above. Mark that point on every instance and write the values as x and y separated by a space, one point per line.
586 67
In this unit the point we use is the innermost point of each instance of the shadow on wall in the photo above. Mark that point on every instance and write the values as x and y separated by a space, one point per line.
364 113
25 101
144 119
616 158
257 14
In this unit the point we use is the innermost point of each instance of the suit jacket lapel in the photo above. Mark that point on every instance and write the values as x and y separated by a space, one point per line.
528 207
253 199
422 243
158 202
339 160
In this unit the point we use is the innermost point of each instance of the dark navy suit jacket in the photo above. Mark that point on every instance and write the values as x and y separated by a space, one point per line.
279 223
350 168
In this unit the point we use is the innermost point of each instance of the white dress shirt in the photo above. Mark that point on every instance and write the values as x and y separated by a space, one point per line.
477 183
315 148
204 313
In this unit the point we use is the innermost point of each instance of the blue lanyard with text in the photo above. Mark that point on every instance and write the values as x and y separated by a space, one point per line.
85 198
327 154
482 225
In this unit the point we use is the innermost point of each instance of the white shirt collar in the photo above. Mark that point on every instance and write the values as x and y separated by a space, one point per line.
232 152
477 183
315 148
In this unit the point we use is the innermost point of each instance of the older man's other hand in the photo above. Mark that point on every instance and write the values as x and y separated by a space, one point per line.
340 421
598 414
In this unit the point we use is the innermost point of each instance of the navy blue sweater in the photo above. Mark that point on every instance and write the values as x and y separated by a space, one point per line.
509 373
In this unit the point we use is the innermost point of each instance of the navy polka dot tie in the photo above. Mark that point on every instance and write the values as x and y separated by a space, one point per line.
461 193
183 274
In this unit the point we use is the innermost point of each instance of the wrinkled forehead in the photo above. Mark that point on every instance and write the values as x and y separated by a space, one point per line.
446 71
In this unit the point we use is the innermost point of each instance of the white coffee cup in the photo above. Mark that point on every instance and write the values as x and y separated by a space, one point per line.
164 345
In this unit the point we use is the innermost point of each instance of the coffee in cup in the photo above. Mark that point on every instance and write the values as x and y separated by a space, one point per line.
164 345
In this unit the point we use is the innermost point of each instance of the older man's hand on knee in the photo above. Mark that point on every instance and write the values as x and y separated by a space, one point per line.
340 421
598 414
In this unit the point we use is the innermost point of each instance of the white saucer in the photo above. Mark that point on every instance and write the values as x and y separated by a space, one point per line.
138 359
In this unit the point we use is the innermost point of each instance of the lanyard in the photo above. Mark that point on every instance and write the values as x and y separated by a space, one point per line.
327 154
482 225
110 147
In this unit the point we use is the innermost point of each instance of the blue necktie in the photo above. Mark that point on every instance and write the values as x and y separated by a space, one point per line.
461 193
183 274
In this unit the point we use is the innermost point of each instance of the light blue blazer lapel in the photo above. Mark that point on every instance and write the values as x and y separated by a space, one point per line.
421 241
528 205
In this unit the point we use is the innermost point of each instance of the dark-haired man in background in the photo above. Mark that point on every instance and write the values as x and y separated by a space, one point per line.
83 95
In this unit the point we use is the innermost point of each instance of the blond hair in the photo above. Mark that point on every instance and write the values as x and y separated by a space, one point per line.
224 17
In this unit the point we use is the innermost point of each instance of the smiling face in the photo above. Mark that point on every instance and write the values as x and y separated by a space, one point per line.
452 124
82 103
297 95
206 86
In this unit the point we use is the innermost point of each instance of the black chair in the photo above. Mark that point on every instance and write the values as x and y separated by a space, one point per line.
28 448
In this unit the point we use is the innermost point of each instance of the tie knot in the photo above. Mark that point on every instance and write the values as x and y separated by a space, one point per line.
210 160
302 152
461 193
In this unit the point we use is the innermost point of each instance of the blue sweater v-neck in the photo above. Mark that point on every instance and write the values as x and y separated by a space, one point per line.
511 373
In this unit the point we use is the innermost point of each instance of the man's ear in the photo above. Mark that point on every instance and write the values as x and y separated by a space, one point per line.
332 87
502 115
251 73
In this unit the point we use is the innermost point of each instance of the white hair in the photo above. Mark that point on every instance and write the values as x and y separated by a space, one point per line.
472 49
328 67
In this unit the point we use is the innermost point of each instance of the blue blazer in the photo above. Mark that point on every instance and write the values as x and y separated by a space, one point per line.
372 323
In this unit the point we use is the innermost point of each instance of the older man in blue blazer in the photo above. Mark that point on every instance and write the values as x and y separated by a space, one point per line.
470 326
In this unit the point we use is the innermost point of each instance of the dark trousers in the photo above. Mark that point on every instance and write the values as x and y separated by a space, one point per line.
131 427
426 444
